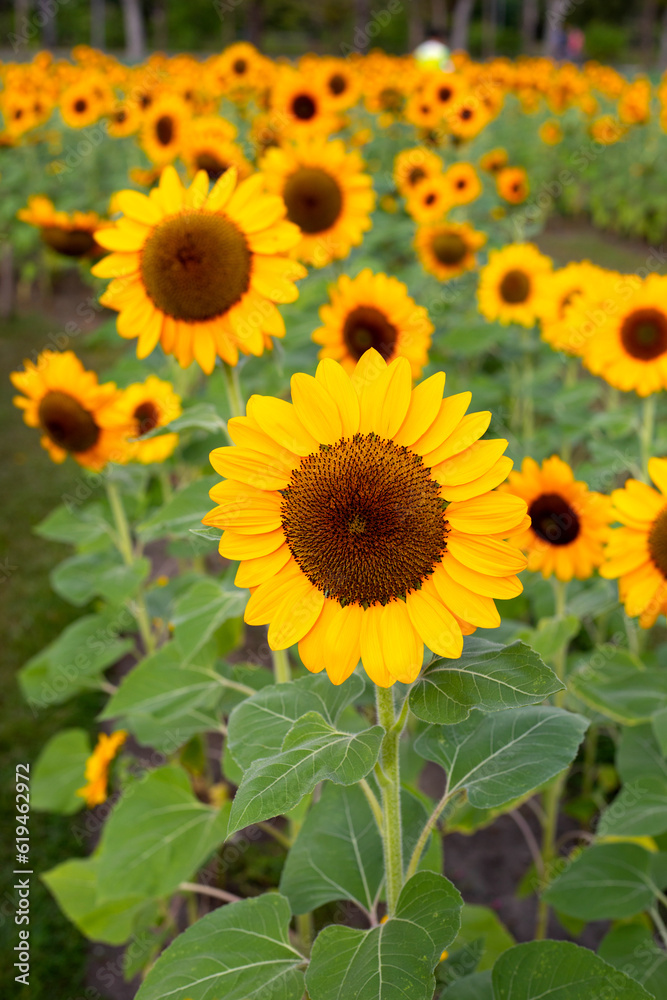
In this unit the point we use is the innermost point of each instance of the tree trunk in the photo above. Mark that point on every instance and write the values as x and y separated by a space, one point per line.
415 25
254 22
461 23
439 14
159 24
489 17
555 24
46 18
530 15
135 42
362 16
662 56
7 282
98 17
647 26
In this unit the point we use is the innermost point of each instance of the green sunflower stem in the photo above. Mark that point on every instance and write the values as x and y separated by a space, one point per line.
281 668
646 433
233 387
527 406
126 549
392 833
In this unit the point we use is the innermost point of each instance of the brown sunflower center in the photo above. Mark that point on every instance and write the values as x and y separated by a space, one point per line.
337 84
449 248
367 327
466 114
657 542
553 520
240 66
80 105
119 116
213 166
391 99
195 266
444 94
67 423
164 129
416 174
70 242
146 417
515 287
304 107
313 199
364 520
644 334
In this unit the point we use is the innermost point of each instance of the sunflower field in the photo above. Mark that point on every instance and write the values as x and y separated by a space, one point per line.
366 526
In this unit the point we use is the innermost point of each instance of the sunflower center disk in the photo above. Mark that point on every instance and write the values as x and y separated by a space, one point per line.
213 166
337 84
553 520
644 334
449 248
164 130
147 417
364 520
515 287
195 266
367 327
416 174
313 199
304 107
65 421
70 242
657 542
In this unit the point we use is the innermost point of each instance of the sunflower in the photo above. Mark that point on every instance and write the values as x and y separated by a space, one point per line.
550 132
562 291
494 161
467 116
628 346
241 67
79 105
373 310
445 89
447 249
325 193
163 128
422 112
364 520
71 234
97 767
124 119
512 185
569 523
75 414
200 272
637 551
340 82
608 130
511 286
414 165
303 104
204 150
147 406
463 183
429 200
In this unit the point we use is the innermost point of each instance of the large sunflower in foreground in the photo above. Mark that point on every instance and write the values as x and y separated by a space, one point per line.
200 272
364 519
511 286
569 523
637 551
447 249
326 193
628 344
373 310
75 414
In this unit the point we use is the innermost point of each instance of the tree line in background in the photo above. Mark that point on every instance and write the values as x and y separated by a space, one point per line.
615 30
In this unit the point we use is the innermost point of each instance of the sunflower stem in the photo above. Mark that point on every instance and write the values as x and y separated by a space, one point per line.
392 833
527 409
281 668
233 387
646 433
126 549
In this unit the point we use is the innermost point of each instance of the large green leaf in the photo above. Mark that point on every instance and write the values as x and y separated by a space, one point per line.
430 901
639 756
639 810
74 886
240 952
183 511
258 726
82 577
551 635
632 948
620 687
158 835
59 772
560 971
497 758
488 676
605 882
313 751
478 986
75 660
80 526
338 852
199 612
481 926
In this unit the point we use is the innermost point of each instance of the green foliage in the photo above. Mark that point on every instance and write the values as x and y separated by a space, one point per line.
59 772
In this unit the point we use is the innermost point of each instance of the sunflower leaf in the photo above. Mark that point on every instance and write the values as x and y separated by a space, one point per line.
183 511
487 676
605 882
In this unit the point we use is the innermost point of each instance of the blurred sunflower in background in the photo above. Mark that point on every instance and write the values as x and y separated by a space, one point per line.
512 184
429 200
326 194
563 290
512 285
97 767
200 272
163 128
71 234
75 414
373 310
364 518
463 183
414 165
494 161
303 103
147 406
637 551
569 524
447 249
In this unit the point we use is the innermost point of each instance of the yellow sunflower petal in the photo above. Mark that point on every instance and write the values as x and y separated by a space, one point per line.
434 623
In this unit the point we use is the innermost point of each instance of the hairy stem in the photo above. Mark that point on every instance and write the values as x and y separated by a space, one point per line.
392 833
126 550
